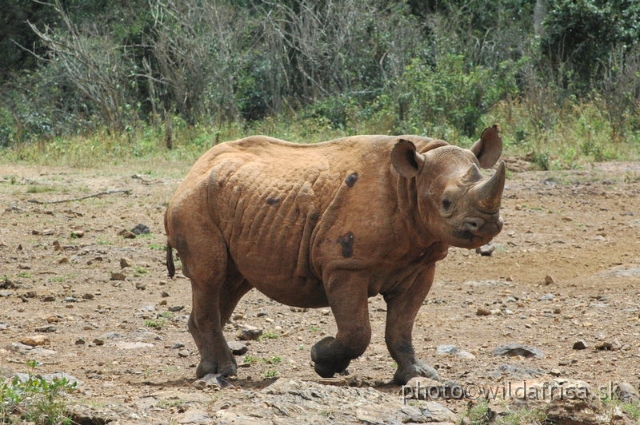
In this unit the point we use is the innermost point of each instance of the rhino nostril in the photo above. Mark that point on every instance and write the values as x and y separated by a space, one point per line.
473 224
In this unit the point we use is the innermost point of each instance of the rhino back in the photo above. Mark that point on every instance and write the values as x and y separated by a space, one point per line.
273 201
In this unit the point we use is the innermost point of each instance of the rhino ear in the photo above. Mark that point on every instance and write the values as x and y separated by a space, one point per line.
405 159
489 147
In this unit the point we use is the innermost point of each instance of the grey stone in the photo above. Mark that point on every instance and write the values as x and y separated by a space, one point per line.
237 348
511 350
579 345
249 333
627 393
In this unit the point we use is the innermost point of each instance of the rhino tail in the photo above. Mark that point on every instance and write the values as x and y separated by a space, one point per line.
171 268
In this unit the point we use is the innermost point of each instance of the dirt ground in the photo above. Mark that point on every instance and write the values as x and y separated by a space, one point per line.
566 268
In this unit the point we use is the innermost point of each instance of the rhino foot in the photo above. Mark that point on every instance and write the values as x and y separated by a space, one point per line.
329 357
404 374
221 369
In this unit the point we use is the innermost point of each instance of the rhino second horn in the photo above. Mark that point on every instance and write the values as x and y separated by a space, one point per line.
472 175
489 193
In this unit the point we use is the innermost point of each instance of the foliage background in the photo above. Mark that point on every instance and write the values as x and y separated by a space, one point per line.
562 77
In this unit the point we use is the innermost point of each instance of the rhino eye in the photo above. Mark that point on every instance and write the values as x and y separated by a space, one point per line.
446 204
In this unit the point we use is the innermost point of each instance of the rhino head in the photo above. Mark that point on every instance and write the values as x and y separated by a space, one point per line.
455 202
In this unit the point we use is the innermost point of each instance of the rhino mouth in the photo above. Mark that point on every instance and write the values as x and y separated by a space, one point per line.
477 230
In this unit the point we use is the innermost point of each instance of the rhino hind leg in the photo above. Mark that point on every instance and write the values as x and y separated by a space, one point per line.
205 262
348 300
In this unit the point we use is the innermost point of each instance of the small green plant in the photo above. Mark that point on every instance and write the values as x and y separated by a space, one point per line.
268 335
39 189
157 246
523 417
273 360
632 410
34 399
167 314
314 329
25 275
250 359
478 414
140 271
271 373
156 324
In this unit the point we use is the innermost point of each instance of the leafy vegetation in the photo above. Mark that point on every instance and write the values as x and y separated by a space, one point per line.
163 81
33 399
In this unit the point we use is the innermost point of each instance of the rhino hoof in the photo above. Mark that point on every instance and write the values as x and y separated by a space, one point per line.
402 376
207 367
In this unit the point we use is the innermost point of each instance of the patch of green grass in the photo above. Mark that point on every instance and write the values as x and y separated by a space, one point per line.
104 242
271 373
273 360
25 275
167 314
632 410
34 399
314 329
523 417
140 271
478 414
157 246
268 335
250 359
36 188
155 324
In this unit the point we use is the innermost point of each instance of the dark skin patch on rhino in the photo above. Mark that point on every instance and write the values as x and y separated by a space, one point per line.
351 179
346 241
272 201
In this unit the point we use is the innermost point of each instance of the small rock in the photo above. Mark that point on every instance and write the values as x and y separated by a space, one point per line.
512 350
177 345
57 246
481 311
579 345
183 353
486 250
125 262
604 346
87 296
127 234
453 350
77 234
237 348
549 280
140 229
118 276
627 393
63 260
249 333
547 297
555 372
80 341
176 308
35 340
164 294
98 341
46 328
48 298
140 285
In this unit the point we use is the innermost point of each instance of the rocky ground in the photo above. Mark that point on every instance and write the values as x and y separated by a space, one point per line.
83 293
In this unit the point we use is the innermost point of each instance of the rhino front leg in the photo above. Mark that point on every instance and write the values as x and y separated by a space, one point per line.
402 308
347 297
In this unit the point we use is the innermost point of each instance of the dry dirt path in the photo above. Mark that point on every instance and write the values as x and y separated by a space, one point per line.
566 268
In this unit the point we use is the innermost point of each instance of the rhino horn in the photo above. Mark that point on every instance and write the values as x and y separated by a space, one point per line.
489 193
472 175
